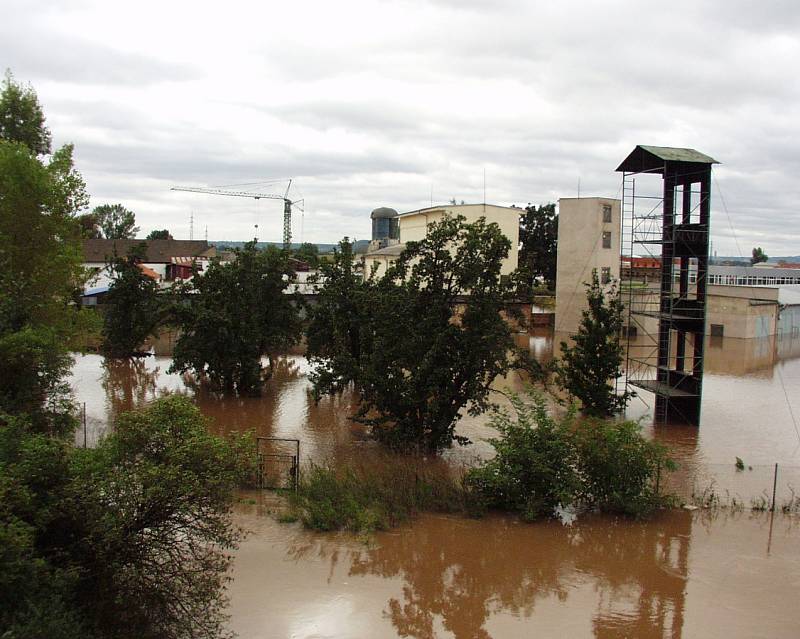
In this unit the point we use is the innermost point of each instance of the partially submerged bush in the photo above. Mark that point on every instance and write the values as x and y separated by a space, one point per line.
376 496
543 463
535 468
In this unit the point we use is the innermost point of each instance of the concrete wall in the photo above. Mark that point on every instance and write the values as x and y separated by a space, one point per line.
580 250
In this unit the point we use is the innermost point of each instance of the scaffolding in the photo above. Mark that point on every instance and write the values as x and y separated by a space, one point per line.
666 314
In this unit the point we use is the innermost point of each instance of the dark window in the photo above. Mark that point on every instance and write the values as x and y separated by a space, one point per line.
605 274
606 239
607 213
629 331
717 330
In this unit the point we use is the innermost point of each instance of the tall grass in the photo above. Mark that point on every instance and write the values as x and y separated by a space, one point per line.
364 496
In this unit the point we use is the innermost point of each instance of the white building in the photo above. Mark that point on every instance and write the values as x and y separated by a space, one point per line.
413 226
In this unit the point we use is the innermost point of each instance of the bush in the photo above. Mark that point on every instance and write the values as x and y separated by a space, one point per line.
535 468
543 463
619 468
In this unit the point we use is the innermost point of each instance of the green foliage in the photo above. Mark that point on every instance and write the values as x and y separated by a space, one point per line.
127 540
535 466
337 323
589 367
620 468
424 343
538 237
40 269
22 118
309 253
739 464
542 463
235 314
133 309
88 226
758 256
115 221
163 234
365 498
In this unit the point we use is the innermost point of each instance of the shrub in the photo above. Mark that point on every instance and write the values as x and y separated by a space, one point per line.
619 468
535 467
542 463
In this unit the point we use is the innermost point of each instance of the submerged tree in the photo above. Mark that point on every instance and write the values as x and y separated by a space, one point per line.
423 344
589 368
234 315
133 308
538 237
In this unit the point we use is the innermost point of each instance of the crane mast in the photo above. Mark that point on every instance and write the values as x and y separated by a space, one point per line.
287 204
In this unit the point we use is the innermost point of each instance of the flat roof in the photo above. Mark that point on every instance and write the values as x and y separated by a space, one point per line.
443 207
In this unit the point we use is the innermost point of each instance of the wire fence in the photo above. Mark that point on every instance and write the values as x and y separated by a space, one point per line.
737 486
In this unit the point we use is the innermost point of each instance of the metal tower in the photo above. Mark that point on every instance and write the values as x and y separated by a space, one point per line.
673 227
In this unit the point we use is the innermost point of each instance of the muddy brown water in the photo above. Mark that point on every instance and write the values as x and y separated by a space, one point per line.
683 574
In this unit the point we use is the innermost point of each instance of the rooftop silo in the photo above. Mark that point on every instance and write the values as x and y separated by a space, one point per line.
385 226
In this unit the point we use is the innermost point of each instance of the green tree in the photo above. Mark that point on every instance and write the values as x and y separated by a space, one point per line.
89 228
236 314
127 540
538 236
423 344
337 323
40 269
589 368
308 253
133 307
758 256
163 234
116 222
22 118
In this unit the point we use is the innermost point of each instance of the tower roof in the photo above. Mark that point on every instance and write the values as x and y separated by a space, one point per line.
654 158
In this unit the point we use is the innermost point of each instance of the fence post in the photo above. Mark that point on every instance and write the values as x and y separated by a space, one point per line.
774 486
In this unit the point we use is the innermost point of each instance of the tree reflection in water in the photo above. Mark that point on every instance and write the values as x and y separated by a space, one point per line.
459 573
128 383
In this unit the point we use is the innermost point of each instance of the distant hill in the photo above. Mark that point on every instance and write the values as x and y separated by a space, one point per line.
792 259
360 245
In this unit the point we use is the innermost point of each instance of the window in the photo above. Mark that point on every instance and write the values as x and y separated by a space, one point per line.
606 213
605 274
717 330
606 239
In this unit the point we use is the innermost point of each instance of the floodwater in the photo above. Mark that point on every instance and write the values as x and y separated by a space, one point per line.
683 574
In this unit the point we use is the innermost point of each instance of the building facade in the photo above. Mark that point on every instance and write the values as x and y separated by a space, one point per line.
413 226
588 240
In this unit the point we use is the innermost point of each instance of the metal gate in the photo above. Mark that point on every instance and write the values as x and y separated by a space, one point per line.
278 463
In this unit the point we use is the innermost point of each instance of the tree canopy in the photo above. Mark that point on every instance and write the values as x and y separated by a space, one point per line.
163 234
125 540
758 256
133 308
235 314
115 221
538 236
309 253
422 344
589 367
22 118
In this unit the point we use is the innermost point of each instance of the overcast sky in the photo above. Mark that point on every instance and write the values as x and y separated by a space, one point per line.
369 104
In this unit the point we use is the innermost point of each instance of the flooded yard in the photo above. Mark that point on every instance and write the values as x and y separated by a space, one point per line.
683 574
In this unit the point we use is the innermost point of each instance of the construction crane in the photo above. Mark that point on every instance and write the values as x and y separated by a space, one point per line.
287 204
